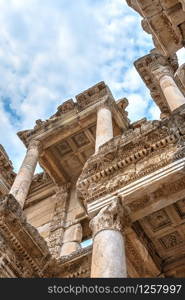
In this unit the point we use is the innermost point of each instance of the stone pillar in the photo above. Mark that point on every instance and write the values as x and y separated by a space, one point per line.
71 240
58 220
172 93
24 177
108 257
104 128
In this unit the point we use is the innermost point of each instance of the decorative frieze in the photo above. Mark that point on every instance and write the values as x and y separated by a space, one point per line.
26 251
118 164
135 154
164 20
58 220
159 74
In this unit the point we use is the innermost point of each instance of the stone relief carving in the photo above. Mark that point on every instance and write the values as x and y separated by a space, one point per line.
128 158
58 220
171 240
164 21
26 250
112 217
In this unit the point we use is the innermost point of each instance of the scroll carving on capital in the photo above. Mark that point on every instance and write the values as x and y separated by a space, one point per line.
112 217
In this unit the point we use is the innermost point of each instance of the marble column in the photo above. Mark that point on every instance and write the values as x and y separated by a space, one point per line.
25 174
108 257
172 93
104 128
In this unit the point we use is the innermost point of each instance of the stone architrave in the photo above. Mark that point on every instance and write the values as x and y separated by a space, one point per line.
108 258
172 93
104 128
24 177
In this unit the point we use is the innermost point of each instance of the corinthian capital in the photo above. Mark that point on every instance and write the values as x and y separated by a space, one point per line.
160 71
106 102
112 217
35 144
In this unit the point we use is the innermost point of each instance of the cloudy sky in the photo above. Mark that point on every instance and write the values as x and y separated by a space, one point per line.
51 50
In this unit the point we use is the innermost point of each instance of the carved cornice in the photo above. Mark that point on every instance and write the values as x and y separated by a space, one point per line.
22 238
75 265
64 108
6 168
83 100
116 157
92 95
164 20
151 68
70 114
135 154
111 217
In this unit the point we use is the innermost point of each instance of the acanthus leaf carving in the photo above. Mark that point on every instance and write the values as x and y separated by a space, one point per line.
111 217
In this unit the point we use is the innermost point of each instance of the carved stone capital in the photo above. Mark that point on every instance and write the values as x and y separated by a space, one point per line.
106 102
160 71
35 144
111 217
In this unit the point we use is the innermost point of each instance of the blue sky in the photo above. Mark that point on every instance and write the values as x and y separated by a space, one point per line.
51 50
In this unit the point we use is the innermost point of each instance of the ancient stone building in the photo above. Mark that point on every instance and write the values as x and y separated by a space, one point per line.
111 199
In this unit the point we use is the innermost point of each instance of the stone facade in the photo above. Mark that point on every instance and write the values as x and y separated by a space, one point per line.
111 199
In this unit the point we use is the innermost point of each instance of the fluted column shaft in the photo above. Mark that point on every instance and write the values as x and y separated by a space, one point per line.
108 257
25 174
104 128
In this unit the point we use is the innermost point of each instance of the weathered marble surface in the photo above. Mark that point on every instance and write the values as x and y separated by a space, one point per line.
108 258
104 128
24 177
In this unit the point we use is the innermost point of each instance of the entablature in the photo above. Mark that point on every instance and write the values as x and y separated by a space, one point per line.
165 21
127 161
68 137
146 67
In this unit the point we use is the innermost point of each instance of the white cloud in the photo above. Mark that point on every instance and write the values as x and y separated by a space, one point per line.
136 102
181 56
132 80
155 112
52 50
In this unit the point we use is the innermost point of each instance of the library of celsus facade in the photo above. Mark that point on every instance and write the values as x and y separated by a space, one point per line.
111 199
